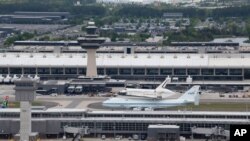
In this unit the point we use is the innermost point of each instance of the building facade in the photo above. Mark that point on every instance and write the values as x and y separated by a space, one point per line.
51 122
216 67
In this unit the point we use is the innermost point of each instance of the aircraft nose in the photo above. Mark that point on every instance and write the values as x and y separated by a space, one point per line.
104 103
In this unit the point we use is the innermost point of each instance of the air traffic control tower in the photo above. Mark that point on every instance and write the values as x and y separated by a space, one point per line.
25 93
91 42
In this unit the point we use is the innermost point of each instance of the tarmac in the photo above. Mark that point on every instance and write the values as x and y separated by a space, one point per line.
87 102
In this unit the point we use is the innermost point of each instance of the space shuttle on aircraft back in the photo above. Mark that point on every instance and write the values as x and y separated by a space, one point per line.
190 96
159 93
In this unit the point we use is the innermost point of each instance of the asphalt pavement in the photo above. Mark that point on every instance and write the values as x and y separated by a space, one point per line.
83 101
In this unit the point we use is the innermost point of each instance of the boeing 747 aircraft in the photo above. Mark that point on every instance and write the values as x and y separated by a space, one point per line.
191 96
159 93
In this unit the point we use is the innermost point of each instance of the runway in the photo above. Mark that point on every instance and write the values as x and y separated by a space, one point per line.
86 102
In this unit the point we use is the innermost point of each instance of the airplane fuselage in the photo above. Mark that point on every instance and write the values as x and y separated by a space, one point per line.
154 104
190 96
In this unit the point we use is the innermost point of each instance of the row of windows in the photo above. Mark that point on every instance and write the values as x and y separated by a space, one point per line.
127 71
44 115
24 84
77 124
125 126
54 115
171 116
42 71
9 115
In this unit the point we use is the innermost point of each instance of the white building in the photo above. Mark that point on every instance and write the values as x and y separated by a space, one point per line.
130 66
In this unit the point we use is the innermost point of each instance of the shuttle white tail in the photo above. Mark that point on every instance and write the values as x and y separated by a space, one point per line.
192 95
161 90
163 84
159 93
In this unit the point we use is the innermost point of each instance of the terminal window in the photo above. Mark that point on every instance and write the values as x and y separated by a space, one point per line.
70 70
82 71
111 71
15 70
125 71
193 71
139 71
3 70
179 71
221 71
247 73
152 71
207 71
57 71
29 70
235 71
43 71
100 71
166 71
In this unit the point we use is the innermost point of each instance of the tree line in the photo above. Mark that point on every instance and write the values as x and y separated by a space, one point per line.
149 11
90 8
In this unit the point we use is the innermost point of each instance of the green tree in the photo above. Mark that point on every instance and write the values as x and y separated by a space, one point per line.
113 37
18 37
44 38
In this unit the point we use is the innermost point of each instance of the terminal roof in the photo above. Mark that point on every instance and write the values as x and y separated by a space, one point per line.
163 126
121 60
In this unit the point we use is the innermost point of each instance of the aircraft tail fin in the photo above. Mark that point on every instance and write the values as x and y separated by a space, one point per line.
164 83
192 95
162 91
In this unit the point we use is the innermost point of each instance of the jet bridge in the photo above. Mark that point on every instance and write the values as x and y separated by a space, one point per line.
212 133
78 132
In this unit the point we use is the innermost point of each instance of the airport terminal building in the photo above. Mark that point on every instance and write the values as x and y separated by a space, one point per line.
50 122
141 66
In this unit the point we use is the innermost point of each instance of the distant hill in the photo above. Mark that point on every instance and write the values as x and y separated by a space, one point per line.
46 1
